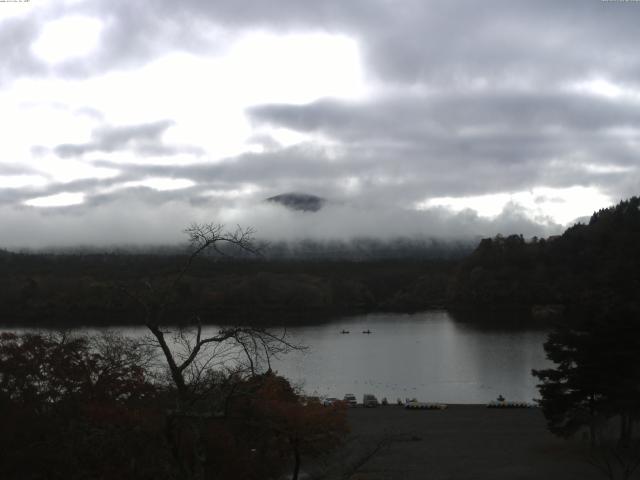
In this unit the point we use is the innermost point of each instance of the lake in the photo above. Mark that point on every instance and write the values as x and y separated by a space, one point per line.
432 356
429 355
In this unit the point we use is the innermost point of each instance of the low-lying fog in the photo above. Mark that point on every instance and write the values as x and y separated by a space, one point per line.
124 222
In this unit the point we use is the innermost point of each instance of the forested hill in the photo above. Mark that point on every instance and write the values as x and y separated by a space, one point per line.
100 289
600 259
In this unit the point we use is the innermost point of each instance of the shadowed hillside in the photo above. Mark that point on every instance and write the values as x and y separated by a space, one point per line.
599 259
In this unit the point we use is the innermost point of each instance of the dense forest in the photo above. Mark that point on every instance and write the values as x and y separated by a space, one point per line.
72 289
305 282
599 259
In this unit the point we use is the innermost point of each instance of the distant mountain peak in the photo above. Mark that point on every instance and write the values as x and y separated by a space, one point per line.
299 201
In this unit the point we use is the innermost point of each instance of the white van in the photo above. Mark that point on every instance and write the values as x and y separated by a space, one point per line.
350 399
369 400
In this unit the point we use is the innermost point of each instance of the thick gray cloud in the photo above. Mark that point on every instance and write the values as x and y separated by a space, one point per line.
413 41
477 143
144 139
15 169
474 98
16 36
412 116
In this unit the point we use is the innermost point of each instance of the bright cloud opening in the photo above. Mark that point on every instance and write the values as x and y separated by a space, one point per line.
605 88
561 205
205 96
161 184
68 38
19 181
234 193
66 170
64 199
297 68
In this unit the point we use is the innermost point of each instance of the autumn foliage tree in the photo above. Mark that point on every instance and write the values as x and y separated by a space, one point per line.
271 428
76 407
88 407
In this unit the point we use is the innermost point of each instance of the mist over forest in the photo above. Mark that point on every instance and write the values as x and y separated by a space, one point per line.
311 279
120 222
355 249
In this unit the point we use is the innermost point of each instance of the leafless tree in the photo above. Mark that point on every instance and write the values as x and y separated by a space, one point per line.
192 355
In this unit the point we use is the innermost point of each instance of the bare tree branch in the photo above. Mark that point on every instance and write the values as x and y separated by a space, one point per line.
190 356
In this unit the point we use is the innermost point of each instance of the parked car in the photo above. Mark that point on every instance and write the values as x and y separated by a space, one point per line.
369 400
350 400
327 402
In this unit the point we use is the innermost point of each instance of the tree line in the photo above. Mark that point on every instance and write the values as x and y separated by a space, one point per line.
590 277
595 259
183 402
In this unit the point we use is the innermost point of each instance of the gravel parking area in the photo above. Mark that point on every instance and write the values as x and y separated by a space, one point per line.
464 442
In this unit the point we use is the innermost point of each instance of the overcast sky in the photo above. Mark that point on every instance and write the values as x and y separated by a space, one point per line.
123 122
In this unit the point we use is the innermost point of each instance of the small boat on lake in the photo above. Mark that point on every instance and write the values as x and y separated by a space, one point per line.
344 331
366 331
504 404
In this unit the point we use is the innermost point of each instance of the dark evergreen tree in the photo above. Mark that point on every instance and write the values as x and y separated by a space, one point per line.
597 374
601 258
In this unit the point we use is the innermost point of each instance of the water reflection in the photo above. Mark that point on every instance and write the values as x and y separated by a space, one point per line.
428 355
432 356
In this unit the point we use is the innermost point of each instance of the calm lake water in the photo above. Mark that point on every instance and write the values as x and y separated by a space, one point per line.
431 356
428 355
